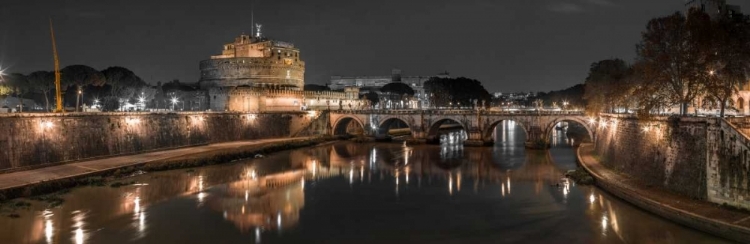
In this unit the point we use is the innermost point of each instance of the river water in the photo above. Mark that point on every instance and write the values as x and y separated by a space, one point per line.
357 193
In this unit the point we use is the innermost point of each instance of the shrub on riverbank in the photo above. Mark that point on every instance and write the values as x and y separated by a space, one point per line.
580 176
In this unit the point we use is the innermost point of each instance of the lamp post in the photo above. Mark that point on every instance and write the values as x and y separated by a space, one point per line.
174 101
78 98
142 101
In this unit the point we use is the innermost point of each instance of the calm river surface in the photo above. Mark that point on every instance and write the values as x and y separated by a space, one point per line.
357 193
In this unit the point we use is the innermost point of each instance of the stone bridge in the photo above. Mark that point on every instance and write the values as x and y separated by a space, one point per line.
424 125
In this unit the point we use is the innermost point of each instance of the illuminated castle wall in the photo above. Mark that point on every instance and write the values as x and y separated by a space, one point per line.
255 74
255 62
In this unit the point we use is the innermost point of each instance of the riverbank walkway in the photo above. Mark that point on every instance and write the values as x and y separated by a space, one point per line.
32 176
698 214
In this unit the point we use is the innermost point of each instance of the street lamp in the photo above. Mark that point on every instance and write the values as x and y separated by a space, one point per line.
174 101
78 99
142 101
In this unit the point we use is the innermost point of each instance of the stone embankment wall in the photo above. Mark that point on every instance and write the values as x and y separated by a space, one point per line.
703 158
670 154
729 163
28 140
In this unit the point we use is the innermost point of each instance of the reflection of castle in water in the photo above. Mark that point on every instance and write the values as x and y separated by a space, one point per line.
267 203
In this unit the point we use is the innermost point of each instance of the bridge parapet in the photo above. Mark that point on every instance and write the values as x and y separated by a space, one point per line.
478 124
459 112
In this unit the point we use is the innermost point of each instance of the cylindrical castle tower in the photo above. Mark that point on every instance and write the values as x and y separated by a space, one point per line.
255 62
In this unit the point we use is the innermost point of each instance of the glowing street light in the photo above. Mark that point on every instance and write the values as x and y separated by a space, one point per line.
174 101
46 124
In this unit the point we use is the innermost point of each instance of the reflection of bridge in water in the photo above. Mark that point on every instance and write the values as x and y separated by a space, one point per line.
424 125
479 166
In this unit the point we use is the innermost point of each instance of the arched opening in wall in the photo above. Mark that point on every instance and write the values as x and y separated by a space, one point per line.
348 126
509 139
447 132
564 137
506 133
568 133
395 128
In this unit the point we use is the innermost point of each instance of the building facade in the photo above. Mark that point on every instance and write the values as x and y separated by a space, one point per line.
374 83
714 8
256 74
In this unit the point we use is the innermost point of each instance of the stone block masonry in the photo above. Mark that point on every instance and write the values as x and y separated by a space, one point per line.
701 158
35 140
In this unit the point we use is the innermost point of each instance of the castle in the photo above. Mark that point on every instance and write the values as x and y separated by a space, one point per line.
256 74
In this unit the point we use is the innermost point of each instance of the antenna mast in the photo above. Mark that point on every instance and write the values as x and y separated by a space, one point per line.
58 91
252 19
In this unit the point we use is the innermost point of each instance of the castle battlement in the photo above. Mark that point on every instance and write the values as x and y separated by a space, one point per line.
259 74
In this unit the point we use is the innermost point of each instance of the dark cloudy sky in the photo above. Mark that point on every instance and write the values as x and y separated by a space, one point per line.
509 45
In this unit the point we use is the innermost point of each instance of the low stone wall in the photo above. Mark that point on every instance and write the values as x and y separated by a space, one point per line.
33 140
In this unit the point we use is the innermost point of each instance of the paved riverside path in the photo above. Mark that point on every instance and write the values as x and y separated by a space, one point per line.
699 214
28 177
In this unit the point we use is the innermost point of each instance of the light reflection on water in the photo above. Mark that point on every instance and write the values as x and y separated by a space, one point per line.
348 192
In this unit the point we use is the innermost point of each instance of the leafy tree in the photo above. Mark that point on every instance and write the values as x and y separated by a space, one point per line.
123 86
18 85
179 92
674 50
606 85
648 96
79 76
729 60
372 97
398 88
446 92
148 94
573 95
44 83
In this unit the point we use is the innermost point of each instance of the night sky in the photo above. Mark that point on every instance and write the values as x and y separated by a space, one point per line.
530 45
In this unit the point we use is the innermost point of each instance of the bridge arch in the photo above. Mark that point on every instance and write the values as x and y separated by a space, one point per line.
342 125
434 129
487 133
387 122
550 128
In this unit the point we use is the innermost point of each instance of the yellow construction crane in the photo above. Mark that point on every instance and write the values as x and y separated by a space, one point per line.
58 91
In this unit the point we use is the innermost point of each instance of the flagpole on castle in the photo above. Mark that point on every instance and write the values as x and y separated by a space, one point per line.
252 19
